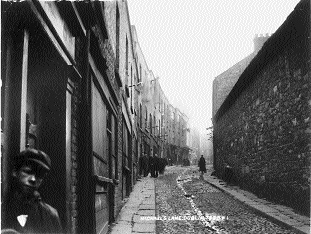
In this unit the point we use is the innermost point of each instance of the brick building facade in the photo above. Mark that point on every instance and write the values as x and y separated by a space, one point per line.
162 127
268 143
75 85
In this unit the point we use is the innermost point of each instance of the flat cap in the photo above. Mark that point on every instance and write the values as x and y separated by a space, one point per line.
36 156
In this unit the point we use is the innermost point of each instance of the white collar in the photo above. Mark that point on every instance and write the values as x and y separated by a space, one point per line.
22 219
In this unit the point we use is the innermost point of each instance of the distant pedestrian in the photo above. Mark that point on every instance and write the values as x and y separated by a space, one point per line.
162 165
144 165
151 166
202 165
156 165
140 165
23 210
187 162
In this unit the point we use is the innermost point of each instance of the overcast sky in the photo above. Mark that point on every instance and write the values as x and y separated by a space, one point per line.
188 43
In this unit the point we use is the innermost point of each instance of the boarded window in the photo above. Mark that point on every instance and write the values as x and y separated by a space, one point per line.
99 115
125 145
112 146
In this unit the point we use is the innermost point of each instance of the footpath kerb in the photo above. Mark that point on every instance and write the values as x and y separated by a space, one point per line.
138 213
279 214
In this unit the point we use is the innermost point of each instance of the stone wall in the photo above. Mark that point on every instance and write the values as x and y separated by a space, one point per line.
265 134
223 83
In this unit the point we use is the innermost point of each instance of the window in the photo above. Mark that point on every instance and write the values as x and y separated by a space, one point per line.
99 122
150 124
140 74
154 125
140 116
125 145
159 133
112 145
132 89
117 36
126 61
146 119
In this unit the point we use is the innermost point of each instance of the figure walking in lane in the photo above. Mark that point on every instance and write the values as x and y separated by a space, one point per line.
202 165
156 165
152 166
144 165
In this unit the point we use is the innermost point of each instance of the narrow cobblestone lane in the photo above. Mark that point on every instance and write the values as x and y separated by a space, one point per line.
181 193
171 202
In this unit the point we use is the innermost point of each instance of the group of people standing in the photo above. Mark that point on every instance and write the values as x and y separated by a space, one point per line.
152 164
155 165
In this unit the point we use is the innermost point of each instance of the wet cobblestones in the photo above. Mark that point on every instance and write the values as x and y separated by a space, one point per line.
223 212
171 202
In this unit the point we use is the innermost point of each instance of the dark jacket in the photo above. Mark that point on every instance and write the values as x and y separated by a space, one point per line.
42 218
156 163
201 164
153 166
143 165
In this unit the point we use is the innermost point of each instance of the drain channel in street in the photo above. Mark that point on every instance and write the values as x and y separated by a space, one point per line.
181 179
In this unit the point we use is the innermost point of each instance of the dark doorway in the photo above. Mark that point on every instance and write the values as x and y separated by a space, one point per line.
46 109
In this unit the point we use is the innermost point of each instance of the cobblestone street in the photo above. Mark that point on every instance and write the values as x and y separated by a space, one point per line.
111 110
201 208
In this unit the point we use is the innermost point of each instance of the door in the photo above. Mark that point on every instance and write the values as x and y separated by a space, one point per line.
101 161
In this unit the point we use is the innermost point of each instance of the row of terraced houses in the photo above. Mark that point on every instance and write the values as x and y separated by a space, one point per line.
76 85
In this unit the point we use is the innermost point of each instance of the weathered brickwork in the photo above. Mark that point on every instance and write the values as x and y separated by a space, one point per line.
110 16
121 51
74 152
118 190
110 63
265 134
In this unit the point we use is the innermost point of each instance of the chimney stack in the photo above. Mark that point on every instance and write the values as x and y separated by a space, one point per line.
259 40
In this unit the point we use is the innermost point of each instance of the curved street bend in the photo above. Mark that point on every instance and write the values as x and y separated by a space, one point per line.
180 201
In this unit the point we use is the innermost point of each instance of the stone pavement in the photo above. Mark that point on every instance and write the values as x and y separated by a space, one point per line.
281 215
133 217
141 205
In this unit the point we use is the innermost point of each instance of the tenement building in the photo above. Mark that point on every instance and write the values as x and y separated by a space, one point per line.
76 86
262 129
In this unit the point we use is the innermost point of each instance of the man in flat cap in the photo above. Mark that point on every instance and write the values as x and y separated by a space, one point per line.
24 211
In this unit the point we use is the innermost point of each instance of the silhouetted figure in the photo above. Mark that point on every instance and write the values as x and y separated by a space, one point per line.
186 162
228 174
170 162
144 165
202 165
162 164
156 165
151 166
140 164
